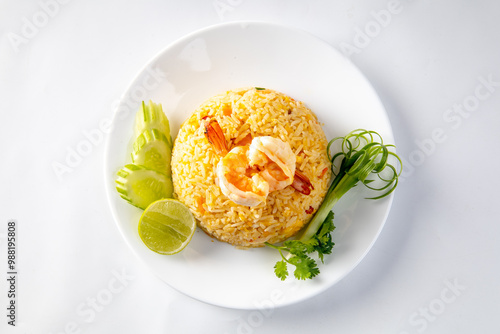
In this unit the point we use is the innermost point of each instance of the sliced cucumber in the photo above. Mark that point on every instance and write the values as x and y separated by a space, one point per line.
141 186
151 116
151 150
149 178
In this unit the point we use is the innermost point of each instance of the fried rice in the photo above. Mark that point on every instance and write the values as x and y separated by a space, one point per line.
240 113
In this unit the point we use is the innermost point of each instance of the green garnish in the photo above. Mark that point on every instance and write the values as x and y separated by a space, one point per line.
149 178
141 186
362 153
305 267
259 88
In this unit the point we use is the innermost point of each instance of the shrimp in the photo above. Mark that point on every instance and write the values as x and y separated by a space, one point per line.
214 135
301 183
240 181
247 174
277 159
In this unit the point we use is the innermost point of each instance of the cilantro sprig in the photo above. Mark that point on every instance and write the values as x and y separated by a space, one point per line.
299 252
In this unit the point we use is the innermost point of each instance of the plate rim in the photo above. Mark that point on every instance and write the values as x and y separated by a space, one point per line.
179 41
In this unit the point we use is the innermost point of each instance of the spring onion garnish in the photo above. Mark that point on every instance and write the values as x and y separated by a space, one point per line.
363 158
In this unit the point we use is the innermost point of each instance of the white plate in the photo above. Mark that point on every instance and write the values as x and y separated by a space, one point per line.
227 56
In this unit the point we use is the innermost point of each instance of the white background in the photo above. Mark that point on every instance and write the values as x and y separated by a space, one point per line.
435 66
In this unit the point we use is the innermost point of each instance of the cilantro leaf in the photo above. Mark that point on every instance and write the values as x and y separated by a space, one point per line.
324 238
327 225
305 267
298 250
281 270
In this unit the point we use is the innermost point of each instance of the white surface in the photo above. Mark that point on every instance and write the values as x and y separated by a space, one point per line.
235 55
434 268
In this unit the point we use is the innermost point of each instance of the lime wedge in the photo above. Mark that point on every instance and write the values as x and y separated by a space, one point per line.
167 226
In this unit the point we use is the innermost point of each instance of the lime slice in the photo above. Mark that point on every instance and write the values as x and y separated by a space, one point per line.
140 186
167 226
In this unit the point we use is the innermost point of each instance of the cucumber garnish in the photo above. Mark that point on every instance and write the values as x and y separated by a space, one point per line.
149 178
141 186
151 150
150 117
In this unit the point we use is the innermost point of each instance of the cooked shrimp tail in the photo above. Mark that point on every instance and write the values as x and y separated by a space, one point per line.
214 135
301 183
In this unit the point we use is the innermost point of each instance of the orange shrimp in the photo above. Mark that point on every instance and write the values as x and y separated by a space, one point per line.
248 173
214 135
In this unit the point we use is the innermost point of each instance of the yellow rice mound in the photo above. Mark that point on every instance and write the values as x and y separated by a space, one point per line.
259 112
